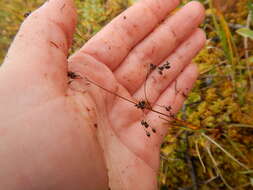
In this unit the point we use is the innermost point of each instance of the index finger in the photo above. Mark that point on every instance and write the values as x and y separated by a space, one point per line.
115 41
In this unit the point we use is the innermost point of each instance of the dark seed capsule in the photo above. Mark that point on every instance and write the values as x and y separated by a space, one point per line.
27 14
152 67
141 105
73 75
160 72
148 134
144 123
167 67
184 95
153 130
168 108
161 68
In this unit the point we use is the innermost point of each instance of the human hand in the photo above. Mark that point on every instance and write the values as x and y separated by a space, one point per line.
57 134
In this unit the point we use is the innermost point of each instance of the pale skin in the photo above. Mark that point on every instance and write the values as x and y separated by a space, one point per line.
61 135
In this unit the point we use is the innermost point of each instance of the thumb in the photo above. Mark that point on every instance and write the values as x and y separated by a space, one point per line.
38 54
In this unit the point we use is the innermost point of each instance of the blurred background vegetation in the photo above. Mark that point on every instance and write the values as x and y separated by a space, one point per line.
219 154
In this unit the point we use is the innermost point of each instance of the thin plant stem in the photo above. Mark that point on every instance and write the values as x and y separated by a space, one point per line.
217 168
199 156
246 47
226 152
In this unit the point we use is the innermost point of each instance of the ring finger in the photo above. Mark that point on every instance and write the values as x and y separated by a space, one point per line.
160 79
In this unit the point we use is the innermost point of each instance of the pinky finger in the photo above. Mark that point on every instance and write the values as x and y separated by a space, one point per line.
172 99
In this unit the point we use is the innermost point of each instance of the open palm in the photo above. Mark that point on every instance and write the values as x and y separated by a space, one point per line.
75 133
